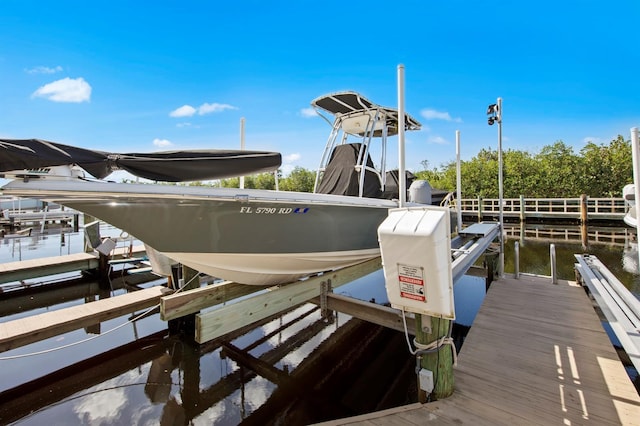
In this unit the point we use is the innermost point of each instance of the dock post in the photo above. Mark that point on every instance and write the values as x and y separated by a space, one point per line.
104 282
523 215
439 362
491 265
584 211
552 254
479 209
186 324
516 260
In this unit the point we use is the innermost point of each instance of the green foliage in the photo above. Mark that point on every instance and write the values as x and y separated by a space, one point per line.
556 171
299 180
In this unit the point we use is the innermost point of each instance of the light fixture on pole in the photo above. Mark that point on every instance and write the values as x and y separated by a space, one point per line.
494 111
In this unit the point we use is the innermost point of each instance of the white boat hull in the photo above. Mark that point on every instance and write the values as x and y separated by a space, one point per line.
268 269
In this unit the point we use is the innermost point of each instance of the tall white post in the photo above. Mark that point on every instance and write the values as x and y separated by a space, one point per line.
242 147
500 189
458 182
402 179
635 155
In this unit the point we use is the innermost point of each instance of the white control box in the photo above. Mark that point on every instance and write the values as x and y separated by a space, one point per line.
416 256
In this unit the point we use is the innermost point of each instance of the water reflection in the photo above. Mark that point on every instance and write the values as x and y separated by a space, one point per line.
294 368
616 247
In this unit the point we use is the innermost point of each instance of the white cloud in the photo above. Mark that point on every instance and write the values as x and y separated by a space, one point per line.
438 140
291 158
308 112
183 111
162 142
44 70
65 90
432 114
214 107
206 108
185 124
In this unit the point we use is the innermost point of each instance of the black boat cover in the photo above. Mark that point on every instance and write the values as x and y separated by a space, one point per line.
169 166
341 178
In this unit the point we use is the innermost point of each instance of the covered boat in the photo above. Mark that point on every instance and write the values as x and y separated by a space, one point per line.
249 236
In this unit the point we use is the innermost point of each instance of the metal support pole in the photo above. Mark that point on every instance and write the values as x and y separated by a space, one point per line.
552 253
500 189
635 152
242 147
402 179
458 182
516 260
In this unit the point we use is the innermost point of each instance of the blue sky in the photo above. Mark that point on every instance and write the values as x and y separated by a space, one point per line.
141 77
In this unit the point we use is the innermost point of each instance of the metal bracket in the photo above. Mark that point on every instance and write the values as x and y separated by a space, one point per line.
426 324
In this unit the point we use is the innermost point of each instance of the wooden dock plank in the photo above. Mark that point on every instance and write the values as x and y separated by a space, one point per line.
31 329
35 268
536 354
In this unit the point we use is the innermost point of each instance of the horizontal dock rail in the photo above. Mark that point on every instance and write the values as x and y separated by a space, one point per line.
617 303
580 209
613 236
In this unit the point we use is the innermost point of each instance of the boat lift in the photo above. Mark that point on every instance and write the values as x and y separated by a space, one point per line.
619 306
226 311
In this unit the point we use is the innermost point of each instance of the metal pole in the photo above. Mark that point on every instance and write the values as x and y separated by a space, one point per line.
458 182
500 189
635 155
552 254
402 181
242 147
516 255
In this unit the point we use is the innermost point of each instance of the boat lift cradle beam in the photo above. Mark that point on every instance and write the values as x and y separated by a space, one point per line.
467 247
620 307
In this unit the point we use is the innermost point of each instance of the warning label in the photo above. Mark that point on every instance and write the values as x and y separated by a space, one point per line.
411 281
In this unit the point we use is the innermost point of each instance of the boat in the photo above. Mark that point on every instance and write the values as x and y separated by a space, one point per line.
258 237
629 195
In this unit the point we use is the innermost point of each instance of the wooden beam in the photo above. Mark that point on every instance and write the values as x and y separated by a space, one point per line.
23 331
370 312
227 318
188 302
34 268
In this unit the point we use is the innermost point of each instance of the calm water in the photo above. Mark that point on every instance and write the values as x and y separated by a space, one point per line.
314 368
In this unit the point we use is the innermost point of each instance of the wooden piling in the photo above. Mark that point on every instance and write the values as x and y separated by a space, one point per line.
479 209
440 362
186 324
523 215
584 211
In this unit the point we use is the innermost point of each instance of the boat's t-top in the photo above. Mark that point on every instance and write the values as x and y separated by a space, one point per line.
347 152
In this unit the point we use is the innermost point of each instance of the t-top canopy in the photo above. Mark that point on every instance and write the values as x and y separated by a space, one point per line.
348 103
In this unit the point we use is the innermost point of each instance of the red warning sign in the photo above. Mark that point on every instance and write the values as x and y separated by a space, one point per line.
411 281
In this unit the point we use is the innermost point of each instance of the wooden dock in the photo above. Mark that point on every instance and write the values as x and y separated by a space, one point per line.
536 354
35 268
23 331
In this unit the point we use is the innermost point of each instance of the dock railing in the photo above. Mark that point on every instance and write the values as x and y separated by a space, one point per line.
581 208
